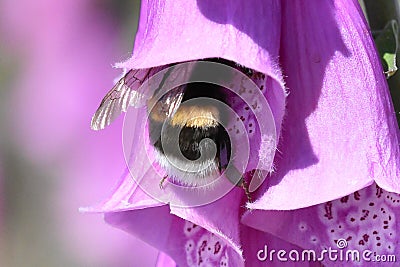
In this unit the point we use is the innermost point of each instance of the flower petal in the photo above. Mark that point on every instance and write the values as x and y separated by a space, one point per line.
186 243
164 260
167 34
220 218
127 195
340 130
364 220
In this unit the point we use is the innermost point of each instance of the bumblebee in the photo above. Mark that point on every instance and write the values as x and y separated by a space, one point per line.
185 127
194 139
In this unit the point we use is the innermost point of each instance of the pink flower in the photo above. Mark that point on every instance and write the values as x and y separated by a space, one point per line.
334 121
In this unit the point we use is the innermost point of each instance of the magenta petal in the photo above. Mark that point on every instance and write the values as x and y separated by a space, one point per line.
127 195
186 243
129 198
340 130
220 218
164 260
153 225
366 220
167 34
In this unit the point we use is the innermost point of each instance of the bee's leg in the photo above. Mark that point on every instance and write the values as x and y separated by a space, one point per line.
236 177
243 184
162 181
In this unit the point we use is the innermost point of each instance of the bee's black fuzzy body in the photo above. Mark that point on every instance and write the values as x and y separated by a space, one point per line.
186 123
194 121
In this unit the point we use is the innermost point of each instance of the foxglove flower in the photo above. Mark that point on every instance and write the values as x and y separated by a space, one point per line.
338 152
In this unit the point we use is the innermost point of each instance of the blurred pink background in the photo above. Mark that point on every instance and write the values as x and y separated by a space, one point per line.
55 66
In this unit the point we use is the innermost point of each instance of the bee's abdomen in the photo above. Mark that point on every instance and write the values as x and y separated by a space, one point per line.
190 138
193 137
190 143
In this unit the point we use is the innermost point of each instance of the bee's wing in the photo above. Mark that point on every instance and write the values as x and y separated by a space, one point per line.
126 92
129 92
169 94
163 106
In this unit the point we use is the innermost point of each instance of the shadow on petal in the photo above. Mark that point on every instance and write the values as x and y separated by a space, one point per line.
339 133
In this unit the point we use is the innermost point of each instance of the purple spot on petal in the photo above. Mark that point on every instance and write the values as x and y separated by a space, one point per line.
379 191
217 247
328 210
344 199
365 237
